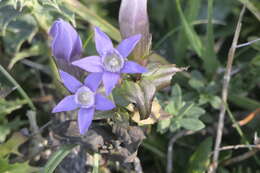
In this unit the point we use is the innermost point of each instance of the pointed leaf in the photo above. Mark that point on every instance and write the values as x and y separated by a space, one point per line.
57 157
191 124
161 75
200 159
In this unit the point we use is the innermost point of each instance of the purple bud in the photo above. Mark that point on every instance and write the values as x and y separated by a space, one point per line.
133 19
66 45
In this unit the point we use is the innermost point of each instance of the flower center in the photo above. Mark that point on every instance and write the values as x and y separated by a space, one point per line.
113 62
85 97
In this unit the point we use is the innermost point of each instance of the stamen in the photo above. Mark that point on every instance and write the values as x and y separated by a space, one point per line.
113 62
85 97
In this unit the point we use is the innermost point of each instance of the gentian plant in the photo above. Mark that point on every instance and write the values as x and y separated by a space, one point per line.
111 61
133 98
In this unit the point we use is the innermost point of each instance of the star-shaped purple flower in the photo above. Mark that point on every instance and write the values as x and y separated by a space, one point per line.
84 97
111 61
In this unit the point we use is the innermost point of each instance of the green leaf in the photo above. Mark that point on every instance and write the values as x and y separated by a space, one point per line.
185 109
192 36
163 125
19 88
161 75
11 146
7 13
175 125
46 4
191 12
256 61
197 80
191 124
215 102
6 128
57 157
22 29
196 84
4 131
251 7
85 13
200 159
6 167
6 107
195 112
244 102
208 55
141 94
171 108
176 94
35 50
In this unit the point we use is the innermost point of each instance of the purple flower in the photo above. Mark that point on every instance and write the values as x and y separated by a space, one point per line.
111 61
133 19
66 43
84 97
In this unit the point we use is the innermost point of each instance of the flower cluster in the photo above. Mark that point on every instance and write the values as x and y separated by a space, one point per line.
105 68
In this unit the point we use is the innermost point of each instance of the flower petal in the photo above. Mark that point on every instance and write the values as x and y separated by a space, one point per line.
76 42
102 41
133 67
85 117
62 43
103 104
90 64
110 80
93 81
66 104
71 83
128 44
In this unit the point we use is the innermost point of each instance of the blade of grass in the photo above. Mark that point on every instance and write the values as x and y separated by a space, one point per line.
239 131
210 61
81 10
250 6
160 154
192 36
244 102
191 12
35 50
19 88
175 29
57 157
88 39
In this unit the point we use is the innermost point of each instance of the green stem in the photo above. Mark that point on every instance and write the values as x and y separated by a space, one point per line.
19 88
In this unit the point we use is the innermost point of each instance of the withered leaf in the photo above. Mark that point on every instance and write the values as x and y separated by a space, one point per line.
161 75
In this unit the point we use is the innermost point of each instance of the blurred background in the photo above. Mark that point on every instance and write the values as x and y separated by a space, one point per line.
189 33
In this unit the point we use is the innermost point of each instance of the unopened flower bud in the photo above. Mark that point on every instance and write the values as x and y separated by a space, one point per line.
66 45
133 19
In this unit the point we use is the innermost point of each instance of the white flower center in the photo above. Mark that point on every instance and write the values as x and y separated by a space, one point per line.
85 97
113 62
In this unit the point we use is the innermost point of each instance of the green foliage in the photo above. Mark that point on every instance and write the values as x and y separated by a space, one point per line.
16 167
184 114
191 12
57 157
6 107
200 159
11 146
192 33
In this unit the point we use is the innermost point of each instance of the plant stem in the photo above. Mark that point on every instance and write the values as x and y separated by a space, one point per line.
226 81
